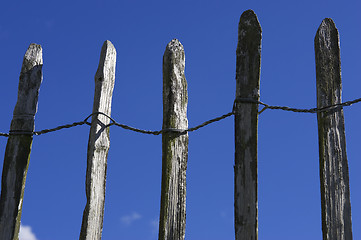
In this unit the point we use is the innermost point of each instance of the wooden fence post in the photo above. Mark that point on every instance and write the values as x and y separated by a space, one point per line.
174 145
18 148
246 127
335 191
98 145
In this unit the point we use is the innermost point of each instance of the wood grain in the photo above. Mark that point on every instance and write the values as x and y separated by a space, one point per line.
98 145
246 127
174 146
334 176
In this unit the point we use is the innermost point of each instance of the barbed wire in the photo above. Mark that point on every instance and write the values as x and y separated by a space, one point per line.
184 131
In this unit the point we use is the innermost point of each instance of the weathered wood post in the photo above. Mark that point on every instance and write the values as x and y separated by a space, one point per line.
174 145
335 190
18 148
246 127
98 145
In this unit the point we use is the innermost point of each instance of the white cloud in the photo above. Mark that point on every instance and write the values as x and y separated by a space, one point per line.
129 219
26 233
155 226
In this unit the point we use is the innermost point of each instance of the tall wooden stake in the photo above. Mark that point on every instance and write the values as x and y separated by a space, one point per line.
175 146
335 191
98 145
246 124
18 148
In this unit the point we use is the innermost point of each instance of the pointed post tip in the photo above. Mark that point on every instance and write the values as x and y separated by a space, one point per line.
33 57
327 22
108 44
174 46
327 25
249 33
249 12
249 18
327 35
34 51
34 45
249 26
108 47
108 55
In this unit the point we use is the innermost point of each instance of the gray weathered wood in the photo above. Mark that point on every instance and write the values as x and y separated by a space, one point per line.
175 146
334 177
18 148
98 145
246 127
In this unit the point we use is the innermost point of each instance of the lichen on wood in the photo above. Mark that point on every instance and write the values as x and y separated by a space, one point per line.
334 176
174 146
98 145
18 147
246 127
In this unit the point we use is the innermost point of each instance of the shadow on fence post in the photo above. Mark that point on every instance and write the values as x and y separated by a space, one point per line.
246 127
98 145
18 148
172 219
334 177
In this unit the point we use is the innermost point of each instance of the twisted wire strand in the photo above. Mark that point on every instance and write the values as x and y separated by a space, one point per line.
37 133
297 110
179 131
184 131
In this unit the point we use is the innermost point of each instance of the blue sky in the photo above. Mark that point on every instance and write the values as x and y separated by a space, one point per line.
72 33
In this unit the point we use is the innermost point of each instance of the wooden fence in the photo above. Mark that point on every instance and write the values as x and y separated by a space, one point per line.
334 178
